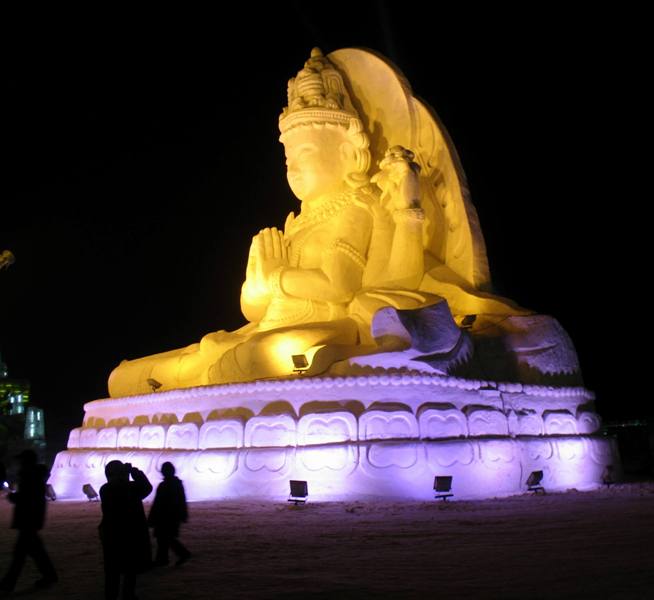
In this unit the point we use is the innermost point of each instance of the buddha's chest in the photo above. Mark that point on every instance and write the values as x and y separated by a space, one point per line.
308 246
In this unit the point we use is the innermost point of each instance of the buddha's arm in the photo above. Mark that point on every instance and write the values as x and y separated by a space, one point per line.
405 266
315 284
341 269
381 240
253 304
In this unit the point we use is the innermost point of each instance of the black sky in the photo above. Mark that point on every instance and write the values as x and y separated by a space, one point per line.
141 155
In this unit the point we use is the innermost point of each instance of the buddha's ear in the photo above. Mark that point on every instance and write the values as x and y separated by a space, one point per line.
348 153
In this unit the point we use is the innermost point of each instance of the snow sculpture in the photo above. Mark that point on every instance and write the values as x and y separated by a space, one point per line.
375 355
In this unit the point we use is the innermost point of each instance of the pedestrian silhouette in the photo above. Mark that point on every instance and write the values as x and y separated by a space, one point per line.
167 513
28 519
124 529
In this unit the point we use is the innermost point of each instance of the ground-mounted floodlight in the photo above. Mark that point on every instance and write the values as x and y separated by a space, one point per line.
299 492
300 363
91 494
443 487
50 494
154 384
608 476
533 482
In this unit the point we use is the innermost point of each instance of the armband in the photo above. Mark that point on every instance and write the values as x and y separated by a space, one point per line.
406 215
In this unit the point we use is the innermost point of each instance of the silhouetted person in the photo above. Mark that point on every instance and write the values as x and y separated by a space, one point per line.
124 529
167 513
29 517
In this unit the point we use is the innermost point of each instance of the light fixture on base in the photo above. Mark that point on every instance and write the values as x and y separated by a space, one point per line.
50 494
154 384
91 494
300 363
299 492
443 487
608 476
533 482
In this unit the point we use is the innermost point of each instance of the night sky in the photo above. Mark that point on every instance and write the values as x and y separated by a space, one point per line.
141 156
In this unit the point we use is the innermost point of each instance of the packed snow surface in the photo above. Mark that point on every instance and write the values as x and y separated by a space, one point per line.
576 545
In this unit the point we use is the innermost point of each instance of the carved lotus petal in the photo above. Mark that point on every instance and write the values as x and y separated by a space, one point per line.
385 455
333 458
106 438
382 425
182 436
128 437
327 428
266 432
219 464
88 438
570 449
540 449
221 434
152 436
73 438
449 454
435 424
266 460
496 452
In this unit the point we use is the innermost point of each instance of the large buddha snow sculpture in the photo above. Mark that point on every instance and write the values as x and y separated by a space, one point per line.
374 271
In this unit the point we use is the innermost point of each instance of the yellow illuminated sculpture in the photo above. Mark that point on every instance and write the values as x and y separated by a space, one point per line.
384 262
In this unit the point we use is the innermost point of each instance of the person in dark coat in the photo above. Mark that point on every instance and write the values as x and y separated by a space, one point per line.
168 511
28 519
124 529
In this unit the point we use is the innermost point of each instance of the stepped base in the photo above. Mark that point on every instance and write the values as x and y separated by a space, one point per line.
347 437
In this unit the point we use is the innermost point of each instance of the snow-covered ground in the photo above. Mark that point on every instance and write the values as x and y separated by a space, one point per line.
596 544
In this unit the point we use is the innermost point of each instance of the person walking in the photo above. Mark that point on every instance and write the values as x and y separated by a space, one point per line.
28 518
124 530
168 511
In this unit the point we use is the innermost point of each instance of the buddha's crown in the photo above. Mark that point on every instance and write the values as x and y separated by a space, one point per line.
317 95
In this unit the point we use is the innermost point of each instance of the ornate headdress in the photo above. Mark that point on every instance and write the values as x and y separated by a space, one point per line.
318 95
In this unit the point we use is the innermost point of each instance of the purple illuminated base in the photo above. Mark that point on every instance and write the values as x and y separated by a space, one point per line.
481 468
375 435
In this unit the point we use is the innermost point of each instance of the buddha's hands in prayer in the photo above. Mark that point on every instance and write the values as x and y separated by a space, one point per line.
268 252
398 179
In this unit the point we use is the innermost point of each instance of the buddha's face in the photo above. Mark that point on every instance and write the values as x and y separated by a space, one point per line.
317 162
